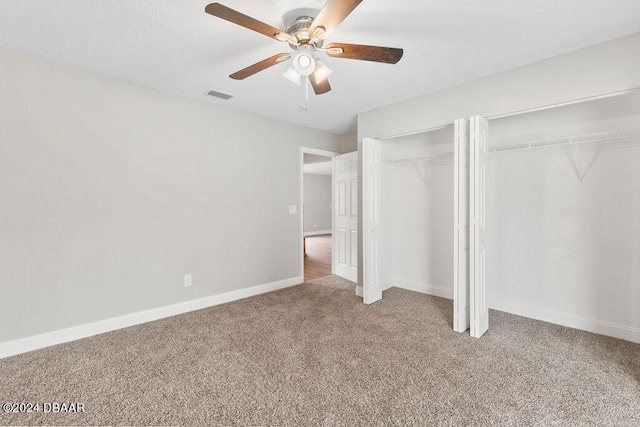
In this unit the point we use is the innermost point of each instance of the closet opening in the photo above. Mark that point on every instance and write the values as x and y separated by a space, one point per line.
412 197
563 202
416 212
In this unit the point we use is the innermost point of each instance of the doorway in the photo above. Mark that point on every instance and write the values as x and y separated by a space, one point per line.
317 257
316 199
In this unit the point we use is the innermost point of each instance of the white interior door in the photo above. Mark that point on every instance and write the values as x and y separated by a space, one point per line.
345 216
479 130
371 174
461 313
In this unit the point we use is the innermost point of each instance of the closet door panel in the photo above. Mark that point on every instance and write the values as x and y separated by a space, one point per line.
479 311
461 313
371 175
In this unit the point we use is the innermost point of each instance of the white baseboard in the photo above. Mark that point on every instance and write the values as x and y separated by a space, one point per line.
359 291
316 233
423 288
565 319
35 342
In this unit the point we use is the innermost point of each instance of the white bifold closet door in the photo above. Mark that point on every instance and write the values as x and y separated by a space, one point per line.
479 313
371 177
461 314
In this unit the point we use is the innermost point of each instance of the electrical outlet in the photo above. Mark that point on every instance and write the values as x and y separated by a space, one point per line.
187 280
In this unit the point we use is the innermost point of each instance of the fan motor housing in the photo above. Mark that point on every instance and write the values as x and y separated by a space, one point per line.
300 30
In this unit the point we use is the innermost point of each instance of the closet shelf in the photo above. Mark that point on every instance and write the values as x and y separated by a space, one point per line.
575 142
420 159
604 137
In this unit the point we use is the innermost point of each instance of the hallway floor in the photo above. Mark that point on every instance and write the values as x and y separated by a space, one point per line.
317 262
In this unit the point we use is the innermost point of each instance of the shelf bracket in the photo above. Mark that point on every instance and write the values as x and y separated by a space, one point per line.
424 173
581 172
578 162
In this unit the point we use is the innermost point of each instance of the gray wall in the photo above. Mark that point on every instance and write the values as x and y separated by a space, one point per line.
111 192
348 142
317 203
564 251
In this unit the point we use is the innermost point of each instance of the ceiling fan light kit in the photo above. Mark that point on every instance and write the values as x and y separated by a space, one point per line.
321 72
305 37
303 60
292 75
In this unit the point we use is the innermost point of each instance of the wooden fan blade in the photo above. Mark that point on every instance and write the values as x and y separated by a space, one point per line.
388 55
228 14
259 66
331 15
319 87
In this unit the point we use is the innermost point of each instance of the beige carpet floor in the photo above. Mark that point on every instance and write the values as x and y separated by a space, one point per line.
314 354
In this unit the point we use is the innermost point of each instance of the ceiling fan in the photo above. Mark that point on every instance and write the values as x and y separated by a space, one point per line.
305 37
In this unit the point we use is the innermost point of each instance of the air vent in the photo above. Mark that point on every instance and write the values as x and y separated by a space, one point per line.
219 95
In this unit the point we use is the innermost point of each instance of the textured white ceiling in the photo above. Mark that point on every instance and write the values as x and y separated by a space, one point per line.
174 45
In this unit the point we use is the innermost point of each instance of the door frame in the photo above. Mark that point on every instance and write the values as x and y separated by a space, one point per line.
317 152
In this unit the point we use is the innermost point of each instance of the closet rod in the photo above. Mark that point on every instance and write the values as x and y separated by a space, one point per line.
436 156
570 140
563 104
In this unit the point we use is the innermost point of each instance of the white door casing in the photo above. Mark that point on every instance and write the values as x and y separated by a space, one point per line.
371 175
461 319
345 216
479 312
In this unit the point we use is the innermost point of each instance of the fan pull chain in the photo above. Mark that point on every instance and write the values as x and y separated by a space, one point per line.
306 106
